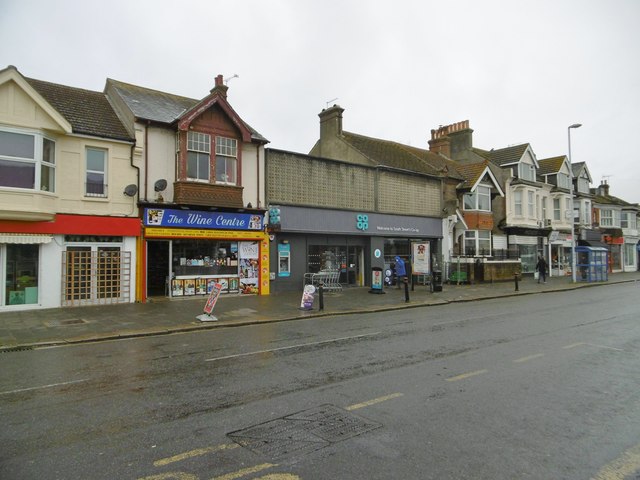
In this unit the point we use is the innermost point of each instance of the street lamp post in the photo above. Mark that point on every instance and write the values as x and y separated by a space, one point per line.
573 229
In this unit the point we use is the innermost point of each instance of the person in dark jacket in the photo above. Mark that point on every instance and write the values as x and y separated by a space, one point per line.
541 267
401 271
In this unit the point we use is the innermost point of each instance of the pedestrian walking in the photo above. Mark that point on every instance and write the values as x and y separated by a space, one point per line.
541 267
401 271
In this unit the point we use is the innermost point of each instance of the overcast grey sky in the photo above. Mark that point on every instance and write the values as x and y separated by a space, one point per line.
519 70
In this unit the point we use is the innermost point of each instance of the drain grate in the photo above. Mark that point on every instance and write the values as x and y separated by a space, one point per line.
63 323
302 432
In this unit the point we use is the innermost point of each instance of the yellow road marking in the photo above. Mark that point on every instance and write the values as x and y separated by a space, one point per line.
280 476
374 401
623 466
466 375
530 357
171 476
194 453
573 345
245 471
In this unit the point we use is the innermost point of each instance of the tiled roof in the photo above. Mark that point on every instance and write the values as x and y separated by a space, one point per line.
396 155
549 166
507 155
472 171
611 200
156 106
88 112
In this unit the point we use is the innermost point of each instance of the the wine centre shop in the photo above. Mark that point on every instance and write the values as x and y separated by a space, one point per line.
187 251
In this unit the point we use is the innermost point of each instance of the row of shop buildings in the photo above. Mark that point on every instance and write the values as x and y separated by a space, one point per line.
130 193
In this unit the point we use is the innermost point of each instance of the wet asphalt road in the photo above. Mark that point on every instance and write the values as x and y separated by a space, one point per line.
538 387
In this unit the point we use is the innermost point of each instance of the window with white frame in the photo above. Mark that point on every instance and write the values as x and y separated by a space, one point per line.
517 199
226 160
544 208
629 254
27 160
628 220
587 212
480 199
583 184
531 204
557 209
564 181
527 171
198 156
477 242
96 172
609 218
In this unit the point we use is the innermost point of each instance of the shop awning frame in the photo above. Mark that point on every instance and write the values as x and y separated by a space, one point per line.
25 238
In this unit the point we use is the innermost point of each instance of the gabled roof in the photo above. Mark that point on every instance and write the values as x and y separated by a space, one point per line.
578 167
88 112
473 173
508 155
551 166
611 200
162 107
404 157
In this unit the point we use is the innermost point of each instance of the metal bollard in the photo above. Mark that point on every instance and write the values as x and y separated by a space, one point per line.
406 289
321 297
516 280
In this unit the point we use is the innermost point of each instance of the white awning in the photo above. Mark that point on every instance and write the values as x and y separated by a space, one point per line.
24 238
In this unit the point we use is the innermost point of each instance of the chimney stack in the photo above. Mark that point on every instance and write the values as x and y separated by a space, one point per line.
220 87
603 189
451 140
330 122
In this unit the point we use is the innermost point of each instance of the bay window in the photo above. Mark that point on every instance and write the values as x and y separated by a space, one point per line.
27 160
557 209
527 171
517 198
477 242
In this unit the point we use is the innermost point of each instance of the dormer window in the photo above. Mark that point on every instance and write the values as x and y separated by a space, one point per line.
564 181
480 199
527 171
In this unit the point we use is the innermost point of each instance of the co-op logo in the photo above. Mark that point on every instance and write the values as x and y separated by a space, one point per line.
362 222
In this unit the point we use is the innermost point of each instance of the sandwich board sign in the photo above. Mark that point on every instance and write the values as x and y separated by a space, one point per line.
211 302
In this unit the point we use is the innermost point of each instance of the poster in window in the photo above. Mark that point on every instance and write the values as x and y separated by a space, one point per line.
249 266
234 285
190 286
421 258
201 286
224 284
177 287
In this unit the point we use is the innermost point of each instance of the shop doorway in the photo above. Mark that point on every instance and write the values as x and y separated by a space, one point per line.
157 268
355 267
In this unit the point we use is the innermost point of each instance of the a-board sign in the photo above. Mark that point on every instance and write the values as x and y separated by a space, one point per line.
213 298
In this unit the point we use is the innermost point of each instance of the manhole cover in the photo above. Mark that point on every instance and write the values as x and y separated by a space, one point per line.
302 432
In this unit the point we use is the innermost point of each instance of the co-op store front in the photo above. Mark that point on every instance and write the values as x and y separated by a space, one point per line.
187 251
308 240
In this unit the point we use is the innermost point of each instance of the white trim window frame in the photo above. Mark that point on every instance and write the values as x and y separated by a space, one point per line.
609 218
564 181
477 241
479 200
96 160
629 254
226 161
517 203
543 203
27 159
198 156
531 208
557 209
527 171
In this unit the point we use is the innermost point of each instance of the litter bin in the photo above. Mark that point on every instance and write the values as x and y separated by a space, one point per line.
437 280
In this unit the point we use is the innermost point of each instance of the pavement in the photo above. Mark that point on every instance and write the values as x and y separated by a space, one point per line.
24 330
